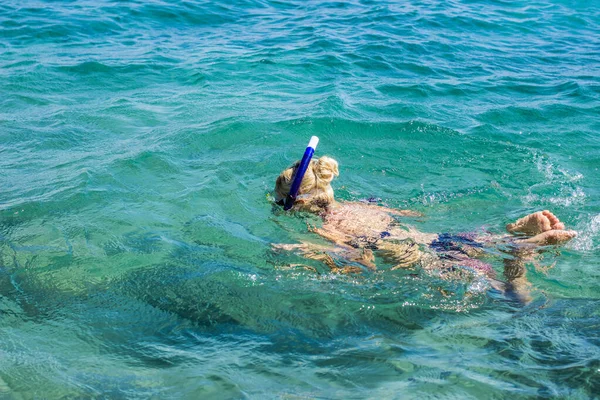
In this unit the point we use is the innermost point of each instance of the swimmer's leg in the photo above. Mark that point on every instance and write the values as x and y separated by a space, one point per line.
515 273
542 227
523 250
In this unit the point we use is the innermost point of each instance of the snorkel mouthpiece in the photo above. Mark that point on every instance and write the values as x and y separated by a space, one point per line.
300 171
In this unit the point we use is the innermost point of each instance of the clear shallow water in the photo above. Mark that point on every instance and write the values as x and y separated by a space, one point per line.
139 141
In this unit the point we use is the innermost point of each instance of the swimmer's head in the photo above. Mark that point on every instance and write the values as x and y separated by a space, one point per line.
315 193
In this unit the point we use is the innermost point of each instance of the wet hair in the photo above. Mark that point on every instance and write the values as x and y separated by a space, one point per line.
315 192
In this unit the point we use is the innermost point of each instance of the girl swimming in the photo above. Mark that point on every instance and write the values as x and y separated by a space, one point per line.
358 231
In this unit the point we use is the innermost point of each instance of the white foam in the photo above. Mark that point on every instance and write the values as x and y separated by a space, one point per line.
558 180
587 235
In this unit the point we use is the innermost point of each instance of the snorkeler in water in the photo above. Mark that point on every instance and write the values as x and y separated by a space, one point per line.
359 231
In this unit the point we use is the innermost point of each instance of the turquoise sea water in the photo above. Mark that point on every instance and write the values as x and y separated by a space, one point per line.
139 141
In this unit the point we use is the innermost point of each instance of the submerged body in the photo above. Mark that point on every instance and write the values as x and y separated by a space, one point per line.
359 231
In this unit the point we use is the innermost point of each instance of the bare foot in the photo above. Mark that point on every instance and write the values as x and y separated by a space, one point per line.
536 223
551 237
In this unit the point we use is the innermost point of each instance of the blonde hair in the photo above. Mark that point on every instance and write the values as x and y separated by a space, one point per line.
315 192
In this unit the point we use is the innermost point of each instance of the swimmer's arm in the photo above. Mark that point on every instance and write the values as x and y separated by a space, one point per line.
393 211
321 253
337 239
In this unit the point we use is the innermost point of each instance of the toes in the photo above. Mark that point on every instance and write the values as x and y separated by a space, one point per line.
554 221
536 223
544 222
539 223
551 217
531 224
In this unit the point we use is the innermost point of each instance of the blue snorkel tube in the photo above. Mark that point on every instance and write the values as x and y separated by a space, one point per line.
300 171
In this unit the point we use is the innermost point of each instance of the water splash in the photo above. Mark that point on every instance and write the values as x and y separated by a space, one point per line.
588 235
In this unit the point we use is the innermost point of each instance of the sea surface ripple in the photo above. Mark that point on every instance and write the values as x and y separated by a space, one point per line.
139 141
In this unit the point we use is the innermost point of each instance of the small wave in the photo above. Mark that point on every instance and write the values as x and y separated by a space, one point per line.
553 173
587 235
558 187
96 67
576 196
